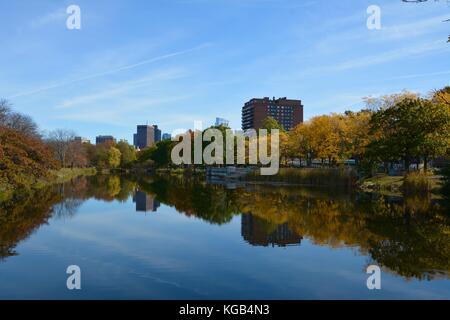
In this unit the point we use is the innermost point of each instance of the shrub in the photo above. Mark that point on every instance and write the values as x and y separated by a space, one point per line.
315 177
416 182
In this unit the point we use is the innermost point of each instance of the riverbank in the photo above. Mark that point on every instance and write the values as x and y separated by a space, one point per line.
55 177
397 185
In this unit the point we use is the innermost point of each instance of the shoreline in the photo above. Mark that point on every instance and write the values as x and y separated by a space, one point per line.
55 177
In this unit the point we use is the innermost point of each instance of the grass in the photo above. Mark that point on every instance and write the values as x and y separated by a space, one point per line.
382 182
333 177
56 177
412 183
180 171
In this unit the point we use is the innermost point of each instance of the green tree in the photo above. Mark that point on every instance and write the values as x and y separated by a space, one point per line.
114 156
127 153
410 128
270 123
161 155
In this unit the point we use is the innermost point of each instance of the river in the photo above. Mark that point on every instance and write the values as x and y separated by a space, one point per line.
179 238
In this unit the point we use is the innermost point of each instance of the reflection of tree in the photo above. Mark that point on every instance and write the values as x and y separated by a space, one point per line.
413 245
21 217
213 204
409 236
67 208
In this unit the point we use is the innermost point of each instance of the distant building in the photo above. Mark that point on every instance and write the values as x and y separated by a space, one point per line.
81 140
222 122
145 202
104 139
288 113
166 136
146 136
254 230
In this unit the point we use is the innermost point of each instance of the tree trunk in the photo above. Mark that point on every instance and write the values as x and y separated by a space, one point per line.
407 163
425 163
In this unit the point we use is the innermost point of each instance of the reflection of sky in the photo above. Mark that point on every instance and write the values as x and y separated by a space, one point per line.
123 254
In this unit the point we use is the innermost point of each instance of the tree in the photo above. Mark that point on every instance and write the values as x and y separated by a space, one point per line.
161 155
325 137
441 96
60 140
23 123
113 157
17 121
356 130
5 110
301 142
128 153
388 101
434 121
411 128
77 154
270 123
23 159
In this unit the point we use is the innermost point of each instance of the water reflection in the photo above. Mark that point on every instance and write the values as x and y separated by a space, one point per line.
258 232
409 237
145 202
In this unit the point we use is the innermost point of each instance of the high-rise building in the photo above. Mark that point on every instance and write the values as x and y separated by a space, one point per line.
288 112
104 139
146 136
166 136
222 122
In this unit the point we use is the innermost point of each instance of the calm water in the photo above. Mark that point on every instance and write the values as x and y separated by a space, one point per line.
155 238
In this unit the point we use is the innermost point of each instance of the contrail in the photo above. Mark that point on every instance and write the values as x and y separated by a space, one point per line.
419 75
100 74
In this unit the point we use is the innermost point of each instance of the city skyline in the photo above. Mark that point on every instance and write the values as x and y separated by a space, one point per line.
179 62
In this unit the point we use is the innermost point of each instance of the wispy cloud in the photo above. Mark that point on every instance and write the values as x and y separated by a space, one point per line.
111 71
49 18
118 113
380 58
420 75
122 88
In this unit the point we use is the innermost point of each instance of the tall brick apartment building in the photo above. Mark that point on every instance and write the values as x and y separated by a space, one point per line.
288 112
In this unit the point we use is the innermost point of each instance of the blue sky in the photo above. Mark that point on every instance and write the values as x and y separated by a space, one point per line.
171 62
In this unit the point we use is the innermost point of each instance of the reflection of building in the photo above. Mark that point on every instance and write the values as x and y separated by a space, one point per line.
288 113
146 136
145 202
222 122
104 139
257 232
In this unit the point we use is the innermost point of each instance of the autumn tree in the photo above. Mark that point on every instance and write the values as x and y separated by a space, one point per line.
441 96
113 157
300 142
23 159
